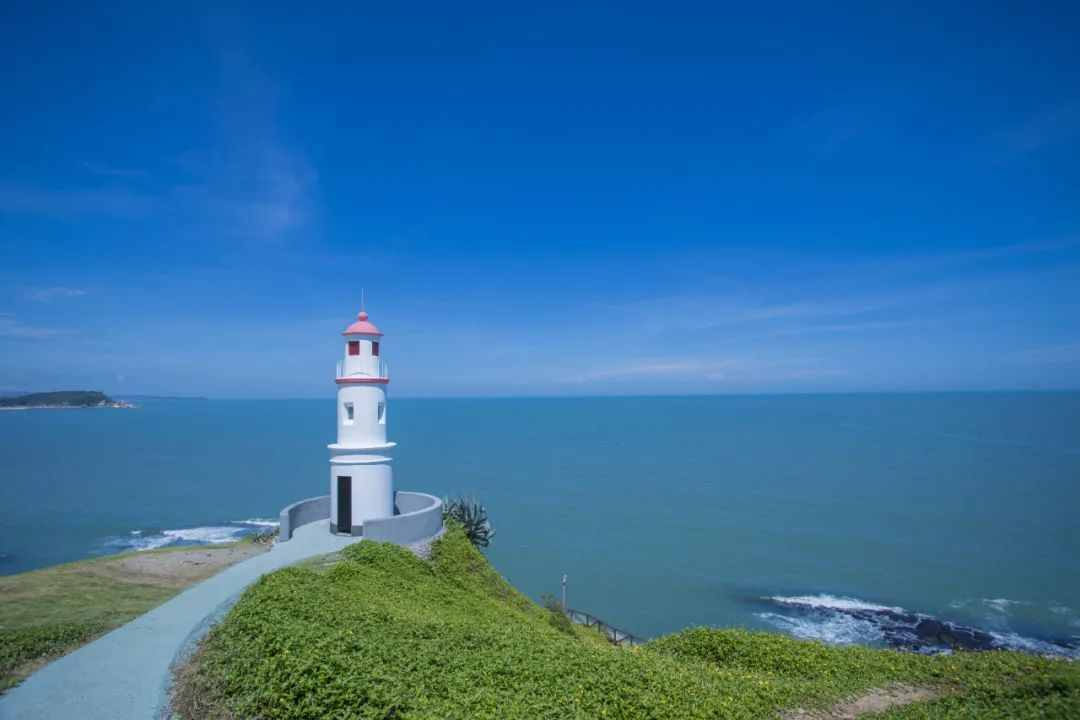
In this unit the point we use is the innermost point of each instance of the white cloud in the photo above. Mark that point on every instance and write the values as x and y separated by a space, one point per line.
652 368
719 372
262 190
12 328
850 327
55 293
110 171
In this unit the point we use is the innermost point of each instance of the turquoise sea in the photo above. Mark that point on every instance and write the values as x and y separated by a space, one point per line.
823 516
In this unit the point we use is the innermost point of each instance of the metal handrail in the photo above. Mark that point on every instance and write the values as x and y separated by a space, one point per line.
614 635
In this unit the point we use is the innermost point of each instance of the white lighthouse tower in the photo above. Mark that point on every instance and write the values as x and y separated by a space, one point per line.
361 479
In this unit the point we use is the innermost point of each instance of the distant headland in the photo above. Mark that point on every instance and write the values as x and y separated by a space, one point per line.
62 399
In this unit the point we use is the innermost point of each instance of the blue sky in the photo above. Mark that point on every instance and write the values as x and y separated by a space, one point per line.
582 199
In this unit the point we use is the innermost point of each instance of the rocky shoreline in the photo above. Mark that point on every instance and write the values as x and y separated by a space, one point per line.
912 631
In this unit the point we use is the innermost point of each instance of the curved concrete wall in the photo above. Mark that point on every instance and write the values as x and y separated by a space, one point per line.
419 517
302 513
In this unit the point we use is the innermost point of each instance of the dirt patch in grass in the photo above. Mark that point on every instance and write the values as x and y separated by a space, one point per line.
176 568
876 700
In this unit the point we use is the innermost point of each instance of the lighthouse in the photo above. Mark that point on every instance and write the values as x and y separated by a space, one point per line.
361 477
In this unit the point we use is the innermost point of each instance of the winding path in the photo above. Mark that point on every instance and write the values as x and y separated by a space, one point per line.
125 674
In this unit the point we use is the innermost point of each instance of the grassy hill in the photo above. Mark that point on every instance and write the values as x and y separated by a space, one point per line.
382 634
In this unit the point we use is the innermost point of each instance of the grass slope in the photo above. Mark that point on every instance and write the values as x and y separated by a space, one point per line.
46 613
383 634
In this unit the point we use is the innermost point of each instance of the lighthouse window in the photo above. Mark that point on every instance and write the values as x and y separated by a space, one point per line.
382 413
348 412
354 347
375 348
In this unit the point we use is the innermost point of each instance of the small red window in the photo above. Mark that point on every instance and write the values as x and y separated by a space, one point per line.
354 347
375 348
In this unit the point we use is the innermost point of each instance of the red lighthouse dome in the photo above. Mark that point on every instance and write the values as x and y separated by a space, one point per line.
362 326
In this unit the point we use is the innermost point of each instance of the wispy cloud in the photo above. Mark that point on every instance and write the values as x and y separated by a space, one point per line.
117 202
896 289
245 182
653 369
1053 125
852 327
1067 353
12 328
724 371
704 312
54 293
262 190
110 171
832 131
253 182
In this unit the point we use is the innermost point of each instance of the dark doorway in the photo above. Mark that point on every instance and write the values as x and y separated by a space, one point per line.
344 504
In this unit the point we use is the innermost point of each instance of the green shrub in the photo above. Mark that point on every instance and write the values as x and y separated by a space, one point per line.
556 615
383 634
264 537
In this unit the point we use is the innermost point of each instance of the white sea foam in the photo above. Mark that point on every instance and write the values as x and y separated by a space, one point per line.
138 542
205 535
1013 641
1001 605
832 602
210 535
846 620
834 628
260 522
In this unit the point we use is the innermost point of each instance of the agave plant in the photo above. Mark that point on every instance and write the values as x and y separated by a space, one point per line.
473 518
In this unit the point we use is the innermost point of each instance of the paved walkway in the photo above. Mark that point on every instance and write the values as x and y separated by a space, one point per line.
125 675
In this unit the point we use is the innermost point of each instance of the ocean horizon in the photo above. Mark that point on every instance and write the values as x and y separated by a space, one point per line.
845 517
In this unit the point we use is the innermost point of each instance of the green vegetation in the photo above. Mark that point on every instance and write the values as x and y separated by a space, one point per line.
24 649
379 633
64 398
472 517
46 613
557 615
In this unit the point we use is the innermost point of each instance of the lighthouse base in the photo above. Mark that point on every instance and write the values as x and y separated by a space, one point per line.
416 517
361 489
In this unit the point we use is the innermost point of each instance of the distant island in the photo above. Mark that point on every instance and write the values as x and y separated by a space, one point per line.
62 399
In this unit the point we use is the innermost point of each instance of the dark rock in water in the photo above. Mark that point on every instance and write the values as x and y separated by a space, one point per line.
929 629
952 636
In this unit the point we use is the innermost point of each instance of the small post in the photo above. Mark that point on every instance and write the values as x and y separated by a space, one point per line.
564 592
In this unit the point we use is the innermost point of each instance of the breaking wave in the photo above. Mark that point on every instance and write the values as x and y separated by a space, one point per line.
258 522
205 535
851 621
832 602
836 630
